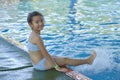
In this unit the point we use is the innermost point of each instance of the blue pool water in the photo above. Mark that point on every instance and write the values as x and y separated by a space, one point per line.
73 28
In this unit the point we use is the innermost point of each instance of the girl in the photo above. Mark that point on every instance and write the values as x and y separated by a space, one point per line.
41 59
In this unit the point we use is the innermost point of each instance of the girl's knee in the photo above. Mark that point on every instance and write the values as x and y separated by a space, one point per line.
66 60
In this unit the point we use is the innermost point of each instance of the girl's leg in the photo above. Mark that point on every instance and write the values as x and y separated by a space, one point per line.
61 61
75 62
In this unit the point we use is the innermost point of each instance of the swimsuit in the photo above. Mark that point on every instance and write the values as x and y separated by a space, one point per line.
40 65
32 47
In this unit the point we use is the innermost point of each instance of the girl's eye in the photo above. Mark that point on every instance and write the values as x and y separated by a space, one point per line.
37 22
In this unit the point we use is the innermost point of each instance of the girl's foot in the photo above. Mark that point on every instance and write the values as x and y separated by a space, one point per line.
91 58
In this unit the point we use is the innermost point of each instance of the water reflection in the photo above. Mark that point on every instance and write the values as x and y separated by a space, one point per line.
9 3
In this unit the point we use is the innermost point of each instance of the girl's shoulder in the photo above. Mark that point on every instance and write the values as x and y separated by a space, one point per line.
33 38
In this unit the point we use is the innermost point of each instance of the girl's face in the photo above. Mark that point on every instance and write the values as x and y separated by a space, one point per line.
37 23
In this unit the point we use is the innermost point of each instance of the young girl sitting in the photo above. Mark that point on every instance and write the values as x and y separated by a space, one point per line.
40 57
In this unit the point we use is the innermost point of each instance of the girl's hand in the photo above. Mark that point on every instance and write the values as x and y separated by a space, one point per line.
62 69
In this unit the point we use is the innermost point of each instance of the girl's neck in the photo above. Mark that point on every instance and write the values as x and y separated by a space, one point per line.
36 32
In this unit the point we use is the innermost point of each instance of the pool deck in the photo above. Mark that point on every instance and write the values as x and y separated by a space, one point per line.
15 64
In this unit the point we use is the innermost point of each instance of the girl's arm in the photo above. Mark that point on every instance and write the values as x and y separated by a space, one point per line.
39 42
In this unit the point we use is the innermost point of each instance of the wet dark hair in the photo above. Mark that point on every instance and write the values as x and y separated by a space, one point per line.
32 14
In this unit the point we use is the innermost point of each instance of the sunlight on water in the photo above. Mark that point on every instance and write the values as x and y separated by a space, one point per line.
103 61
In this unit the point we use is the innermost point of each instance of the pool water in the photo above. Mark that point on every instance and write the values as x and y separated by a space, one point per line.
73 28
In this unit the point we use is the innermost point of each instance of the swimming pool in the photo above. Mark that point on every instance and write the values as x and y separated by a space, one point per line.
73 28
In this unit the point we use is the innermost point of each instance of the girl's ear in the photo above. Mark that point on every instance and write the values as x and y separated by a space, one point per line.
30 24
